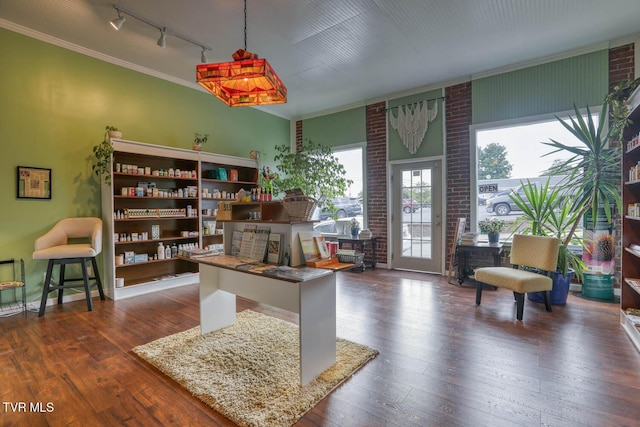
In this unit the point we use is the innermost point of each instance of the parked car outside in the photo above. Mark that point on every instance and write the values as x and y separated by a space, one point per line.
410 205
501 204
344 207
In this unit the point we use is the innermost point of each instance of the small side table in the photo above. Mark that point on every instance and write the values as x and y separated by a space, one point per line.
18 281
362 244
463 252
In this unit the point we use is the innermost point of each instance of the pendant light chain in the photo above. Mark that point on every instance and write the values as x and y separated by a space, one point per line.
245 25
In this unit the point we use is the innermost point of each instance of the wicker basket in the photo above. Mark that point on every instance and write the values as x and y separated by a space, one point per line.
357 258
299 208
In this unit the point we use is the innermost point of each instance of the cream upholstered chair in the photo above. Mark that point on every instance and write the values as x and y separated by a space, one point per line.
536 252
55 247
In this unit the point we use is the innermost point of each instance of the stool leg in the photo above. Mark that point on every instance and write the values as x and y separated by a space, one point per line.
87 289
61 282
45 288
519 304
478 292
96 275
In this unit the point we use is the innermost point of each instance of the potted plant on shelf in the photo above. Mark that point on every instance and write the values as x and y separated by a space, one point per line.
103 153
314 170
493 227
198 140
355 227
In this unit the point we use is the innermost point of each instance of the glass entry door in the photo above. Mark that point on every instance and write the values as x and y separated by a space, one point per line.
417 216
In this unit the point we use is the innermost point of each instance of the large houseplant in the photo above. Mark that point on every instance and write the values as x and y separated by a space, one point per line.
592 183
594 166
314 170
549 211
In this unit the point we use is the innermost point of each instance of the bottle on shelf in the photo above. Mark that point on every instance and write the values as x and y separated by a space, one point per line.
174 250
167 252
160 251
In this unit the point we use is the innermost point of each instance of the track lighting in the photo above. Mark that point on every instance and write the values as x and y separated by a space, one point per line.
164 31
117 23
162 41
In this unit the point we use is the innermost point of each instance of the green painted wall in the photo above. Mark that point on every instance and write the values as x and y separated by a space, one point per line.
54 105
433 142
343 128
541 89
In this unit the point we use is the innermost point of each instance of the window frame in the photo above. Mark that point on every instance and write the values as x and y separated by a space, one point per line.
501 124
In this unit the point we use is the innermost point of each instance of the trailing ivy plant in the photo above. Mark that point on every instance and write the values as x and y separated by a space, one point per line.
314 170
617 101
103 153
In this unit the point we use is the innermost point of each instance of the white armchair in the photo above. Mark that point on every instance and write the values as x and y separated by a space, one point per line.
55 247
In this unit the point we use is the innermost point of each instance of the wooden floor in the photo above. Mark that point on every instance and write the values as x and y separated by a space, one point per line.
443 361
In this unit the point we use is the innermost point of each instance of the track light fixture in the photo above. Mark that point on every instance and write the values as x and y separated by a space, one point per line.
203 56
162 41
117 23
164 31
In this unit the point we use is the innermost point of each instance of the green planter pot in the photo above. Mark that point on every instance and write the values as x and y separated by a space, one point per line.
598 286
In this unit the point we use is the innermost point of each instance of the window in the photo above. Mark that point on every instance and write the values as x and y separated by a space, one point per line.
351 205
509 153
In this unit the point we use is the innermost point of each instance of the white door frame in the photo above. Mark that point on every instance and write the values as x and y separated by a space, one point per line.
442 212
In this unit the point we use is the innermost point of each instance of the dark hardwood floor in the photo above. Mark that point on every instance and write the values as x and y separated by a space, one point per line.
443 361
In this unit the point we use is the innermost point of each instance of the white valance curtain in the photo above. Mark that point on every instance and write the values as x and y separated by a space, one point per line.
412 123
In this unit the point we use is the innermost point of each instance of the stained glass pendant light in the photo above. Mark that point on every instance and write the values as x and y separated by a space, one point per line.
245 81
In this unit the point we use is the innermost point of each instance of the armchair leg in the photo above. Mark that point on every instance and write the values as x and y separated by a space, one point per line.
547 300
478 292
519 304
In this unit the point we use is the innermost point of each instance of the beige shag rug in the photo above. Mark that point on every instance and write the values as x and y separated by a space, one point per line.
249 372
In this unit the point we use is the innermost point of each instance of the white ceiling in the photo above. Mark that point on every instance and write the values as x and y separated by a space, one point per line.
332 53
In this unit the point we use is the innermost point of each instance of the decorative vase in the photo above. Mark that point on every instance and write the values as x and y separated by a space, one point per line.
559 291
196 147
494 237
355 231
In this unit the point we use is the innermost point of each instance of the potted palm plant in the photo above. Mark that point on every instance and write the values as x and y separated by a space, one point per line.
549 211
591 186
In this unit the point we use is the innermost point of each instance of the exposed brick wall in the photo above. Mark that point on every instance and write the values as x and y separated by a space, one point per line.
377 191
621 64
298 135
458 119
621 67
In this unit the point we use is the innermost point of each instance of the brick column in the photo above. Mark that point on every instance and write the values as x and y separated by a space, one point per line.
377 191
458 156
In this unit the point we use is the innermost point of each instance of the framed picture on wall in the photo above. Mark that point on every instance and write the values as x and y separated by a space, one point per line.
33 183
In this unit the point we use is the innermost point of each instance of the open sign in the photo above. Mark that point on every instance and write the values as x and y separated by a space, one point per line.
488 188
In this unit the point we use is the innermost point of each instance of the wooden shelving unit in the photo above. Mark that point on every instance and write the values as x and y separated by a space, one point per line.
629 288
184 192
